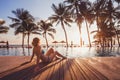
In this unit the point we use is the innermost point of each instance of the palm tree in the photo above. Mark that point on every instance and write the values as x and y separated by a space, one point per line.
104 33
112 13
106 10
88 15
31 28
46 28
63 16
73 5
3 29
20 21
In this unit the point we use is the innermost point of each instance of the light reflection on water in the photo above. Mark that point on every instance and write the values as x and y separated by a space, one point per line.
70 52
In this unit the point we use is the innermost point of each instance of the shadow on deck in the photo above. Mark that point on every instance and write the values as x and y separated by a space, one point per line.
67 69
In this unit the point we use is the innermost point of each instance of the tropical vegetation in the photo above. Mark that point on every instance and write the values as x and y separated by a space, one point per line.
63 16
23 22
3 29
46 28
104 13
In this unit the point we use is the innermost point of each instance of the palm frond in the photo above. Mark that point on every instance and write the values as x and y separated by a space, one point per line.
14 19
15 25
51 35
52 30
4 29
36 33
67 23
57 22
94 31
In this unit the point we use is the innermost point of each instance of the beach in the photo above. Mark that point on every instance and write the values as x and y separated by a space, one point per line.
97 68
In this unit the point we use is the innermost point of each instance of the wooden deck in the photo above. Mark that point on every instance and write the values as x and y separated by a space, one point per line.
66 69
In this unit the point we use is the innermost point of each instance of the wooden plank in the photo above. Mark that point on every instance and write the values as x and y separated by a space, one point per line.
90 75
13 67
56 71
62 72
52 72
42 74
69 63
99 75
66 68
83 73
12 70
77 71
18 75
34 72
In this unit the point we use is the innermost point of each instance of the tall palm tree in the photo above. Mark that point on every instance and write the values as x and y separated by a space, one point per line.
31 28
112 15
87 14
46 28
3 29
106 10
104 33
62 16
73 5
20 21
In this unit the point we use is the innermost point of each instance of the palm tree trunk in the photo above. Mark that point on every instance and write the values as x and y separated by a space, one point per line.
79 25
65 33
28 39
88 33
117 38
46 40
28 43
23 36
111 41
80 36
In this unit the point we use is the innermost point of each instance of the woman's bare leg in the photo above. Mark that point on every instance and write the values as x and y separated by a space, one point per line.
55 55
59 55
49 52
52 56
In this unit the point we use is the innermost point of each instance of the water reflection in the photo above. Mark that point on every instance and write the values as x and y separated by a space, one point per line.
23 49
108 51
71 52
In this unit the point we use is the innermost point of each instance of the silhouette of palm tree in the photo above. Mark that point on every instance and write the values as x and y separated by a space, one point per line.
3 29
73 5
112 12
31 28
88 15
104 34
63 16
20 21
46 28
106 11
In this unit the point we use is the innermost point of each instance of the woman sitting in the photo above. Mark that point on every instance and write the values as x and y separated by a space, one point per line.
38 52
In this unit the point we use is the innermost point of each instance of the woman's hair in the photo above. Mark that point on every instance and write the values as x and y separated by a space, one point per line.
35 41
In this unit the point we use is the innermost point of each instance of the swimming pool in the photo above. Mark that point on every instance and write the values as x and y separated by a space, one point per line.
70 52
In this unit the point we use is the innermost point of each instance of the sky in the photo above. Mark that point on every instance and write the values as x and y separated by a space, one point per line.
40 9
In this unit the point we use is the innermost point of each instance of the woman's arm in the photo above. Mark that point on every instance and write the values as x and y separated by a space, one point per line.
32 56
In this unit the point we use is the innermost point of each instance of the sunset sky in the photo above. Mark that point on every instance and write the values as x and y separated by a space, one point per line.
40 9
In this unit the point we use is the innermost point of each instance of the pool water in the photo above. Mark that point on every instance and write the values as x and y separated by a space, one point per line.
70 52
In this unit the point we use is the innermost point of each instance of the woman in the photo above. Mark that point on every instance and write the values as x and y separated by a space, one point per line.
37 50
